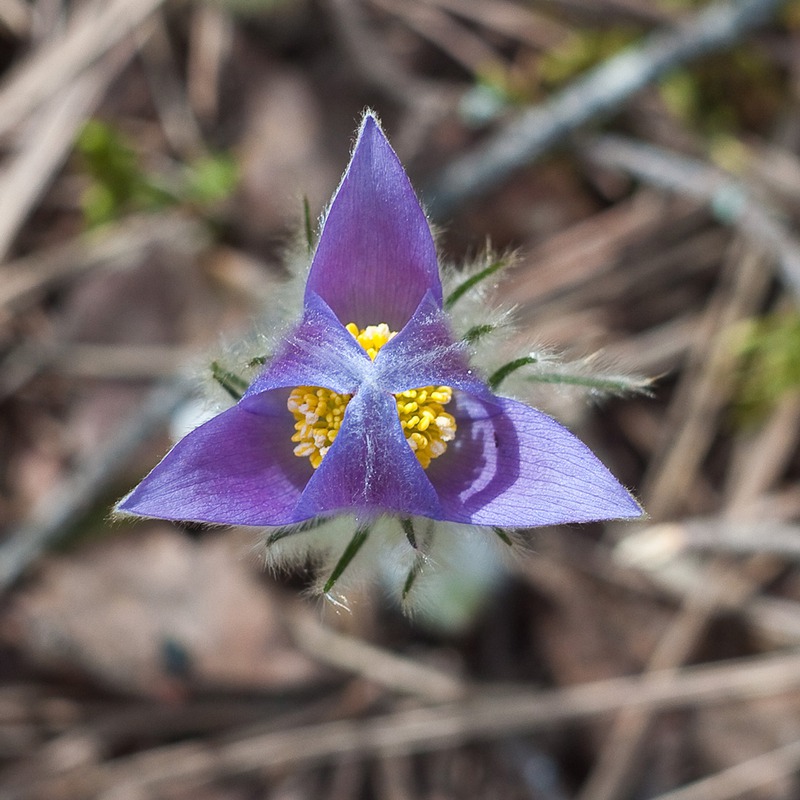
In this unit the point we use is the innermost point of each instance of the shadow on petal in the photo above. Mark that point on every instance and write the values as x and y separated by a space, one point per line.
468 477
513 466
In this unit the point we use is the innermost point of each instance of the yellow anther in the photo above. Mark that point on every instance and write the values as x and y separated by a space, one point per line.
319 412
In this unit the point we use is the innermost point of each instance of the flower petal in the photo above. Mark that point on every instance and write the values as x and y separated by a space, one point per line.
424 354
370 469
319 352
375 258
236 469
513 466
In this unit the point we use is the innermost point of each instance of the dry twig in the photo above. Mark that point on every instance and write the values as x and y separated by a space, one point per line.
731 198
599 92
489 714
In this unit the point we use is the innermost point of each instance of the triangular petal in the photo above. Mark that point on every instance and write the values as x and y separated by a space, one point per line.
424 354
513 466
375 259
370 469
236 469
319 352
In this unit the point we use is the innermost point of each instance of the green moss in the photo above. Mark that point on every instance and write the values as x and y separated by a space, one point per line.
120 185
770 351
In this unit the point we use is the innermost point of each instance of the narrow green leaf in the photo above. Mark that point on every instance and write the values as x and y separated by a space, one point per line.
350 552
234 385
408 530
412 576
497 377
291 530
472 282
309 228
477 332
504 536
607 384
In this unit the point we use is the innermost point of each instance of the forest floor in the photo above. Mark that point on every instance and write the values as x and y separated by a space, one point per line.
641 160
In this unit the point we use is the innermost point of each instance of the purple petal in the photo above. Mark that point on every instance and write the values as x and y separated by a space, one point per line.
513 466
375 259
424 354
236 469
319 352
370 468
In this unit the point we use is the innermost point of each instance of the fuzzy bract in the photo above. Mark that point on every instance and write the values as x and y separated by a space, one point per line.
496 462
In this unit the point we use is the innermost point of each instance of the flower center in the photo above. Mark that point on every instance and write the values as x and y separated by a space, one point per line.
318 412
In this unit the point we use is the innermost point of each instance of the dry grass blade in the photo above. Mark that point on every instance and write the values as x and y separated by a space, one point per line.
518 23
374 663
750 775
754 218
705 387
52 68
42 153
446 33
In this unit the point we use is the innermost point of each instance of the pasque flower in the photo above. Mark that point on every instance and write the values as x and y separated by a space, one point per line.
369 405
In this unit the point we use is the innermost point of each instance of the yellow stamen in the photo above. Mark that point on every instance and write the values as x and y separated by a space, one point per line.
319 412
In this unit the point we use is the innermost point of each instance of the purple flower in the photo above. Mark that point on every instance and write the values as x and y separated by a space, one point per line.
369 404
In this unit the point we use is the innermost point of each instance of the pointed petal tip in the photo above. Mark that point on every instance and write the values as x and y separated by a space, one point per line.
375 258
234 469
621 504
370 121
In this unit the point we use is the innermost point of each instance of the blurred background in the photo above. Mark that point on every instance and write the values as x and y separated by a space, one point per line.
641 158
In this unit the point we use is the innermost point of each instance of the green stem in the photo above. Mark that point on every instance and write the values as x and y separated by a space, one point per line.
350 552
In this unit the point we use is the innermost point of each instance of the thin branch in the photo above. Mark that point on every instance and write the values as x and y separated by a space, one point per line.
599 92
